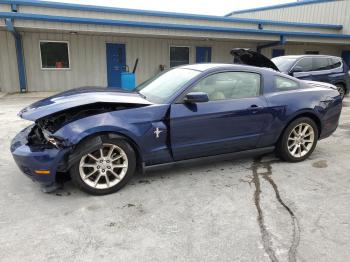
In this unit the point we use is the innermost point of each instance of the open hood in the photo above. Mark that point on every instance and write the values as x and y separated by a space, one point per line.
252 58
79 97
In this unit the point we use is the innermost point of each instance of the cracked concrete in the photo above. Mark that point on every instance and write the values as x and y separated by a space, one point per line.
263 170
241 210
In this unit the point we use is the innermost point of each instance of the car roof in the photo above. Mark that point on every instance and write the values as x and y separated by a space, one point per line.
209 66
301 56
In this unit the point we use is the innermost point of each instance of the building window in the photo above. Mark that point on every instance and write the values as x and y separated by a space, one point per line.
54 55
179 55
278 52
311 52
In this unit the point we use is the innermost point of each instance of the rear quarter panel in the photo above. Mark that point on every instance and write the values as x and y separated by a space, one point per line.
288 105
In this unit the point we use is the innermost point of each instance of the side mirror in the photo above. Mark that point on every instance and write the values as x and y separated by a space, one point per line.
196 97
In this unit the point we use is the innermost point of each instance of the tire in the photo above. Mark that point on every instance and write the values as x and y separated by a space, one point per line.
112 170
294 146
341 89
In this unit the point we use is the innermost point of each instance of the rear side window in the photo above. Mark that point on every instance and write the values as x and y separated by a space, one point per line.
304 65
334 62
285 84
321 63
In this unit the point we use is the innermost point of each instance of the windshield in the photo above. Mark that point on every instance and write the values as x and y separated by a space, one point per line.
161 87
283 63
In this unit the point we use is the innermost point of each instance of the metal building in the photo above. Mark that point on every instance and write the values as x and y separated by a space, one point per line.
47 46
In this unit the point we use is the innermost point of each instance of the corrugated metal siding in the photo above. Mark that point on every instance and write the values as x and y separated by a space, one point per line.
8 63
5 8
138 31
129 17
155 19
336 12
88 58
98 29
87 63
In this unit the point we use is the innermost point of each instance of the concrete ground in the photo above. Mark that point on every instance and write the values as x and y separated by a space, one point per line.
239 210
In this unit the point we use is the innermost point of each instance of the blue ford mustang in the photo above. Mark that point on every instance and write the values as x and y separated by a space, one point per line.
101 137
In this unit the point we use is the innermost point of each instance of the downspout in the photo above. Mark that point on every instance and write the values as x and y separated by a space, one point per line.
19 51
282 41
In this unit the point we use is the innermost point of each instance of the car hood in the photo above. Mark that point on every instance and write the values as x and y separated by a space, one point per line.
252 58
79 97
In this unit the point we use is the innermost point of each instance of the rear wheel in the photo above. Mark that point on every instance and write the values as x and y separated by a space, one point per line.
341 89
106 169
298 140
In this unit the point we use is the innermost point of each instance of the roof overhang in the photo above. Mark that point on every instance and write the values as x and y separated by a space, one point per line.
271 7
103 9
168 26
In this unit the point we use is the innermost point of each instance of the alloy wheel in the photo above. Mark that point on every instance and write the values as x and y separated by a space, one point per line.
104 168
301 140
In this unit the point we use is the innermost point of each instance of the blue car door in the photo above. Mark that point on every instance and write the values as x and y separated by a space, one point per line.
232 120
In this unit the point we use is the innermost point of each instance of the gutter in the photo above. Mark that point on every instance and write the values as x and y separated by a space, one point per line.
19 51
282 41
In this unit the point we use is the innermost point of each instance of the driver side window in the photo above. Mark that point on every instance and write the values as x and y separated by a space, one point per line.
229 85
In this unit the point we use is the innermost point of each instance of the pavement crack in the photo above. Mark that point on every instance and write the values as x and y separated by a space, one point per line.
265 234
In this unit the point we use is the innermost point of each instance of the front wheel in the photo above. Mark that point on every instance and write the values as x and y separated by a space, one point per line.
105 170
298 140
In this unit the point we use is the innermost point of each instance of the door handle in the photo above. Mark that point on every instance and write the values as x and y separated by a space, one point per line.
255 108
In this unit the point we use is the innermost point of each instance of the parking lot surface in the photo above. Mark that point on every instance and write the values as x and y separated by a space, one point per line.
248 209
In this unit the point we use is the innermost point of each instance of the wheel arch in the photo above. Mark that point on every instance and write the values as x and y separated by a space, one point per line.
343 83
308 114
75 153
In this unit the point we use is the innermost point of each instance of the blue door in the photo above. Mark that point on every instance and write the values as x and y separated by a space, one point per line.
203 54
218 127
277 52
232 120
116 61
346 56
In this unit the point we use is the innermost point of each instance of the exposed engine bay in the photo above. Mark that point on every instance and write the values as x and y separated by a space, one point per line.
41 133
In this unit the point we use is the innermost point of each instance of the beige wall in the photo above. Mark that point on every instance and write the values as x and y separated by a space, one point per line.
88 58
8 63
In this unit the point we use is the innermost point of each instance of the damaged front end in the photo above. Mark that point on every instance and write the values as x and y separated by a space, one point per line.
42 133
41 154
40 150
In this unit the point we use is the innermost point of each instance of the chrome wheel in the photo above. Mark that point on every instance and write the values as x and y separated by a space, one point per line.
104 168
301 140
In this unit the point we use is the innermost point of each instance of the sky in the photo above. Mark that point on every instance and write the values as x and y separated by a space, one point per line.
208 7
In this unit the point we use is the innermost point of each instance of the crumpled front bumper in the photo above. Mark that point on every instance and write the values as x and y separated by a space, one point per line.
29 159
